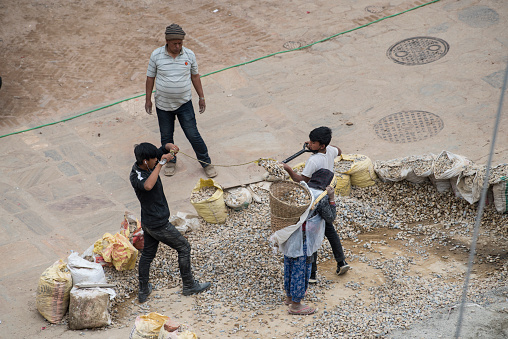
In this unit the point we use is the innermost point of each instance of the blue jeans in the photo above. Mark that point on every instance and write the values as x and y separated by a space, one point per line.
169 235
187 120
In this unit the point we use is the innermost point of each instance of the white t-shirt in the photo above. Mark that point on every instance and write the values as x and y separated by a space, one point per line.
172 77
320 160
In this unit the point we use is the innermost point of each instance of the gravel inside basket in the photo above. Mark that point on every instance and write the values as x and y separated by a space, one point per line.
288 201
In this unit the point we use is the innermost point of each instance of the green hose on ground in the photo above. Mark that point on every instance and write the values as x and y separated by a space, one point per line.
223 69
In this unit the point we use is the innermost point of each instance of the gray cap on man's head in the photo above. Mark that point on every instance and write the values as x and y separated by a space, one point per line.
174 32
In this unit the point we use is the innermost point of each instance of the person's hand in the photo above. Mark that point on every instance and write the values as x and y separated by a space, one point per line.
172 147
168 156
331 192
148 107
202 105
285 166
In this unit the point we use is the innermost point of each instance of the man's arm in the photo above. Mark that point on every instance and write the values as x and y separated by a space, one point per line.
149 88
167 148
295 176
196 82
340 152
152 179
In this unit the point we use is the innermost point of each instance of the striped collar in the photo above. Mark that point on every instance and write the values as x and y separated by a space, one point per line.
166 51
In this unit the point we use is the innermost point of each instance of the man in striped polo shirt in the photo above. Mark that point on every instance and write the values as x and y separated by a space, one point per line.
173 68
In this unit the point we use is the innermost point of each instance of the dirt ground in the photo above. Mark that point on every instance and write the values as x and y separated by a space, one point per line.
61 58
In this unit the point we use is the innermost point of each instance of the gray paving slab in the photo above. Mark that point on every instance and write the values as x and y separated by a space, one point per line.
34 222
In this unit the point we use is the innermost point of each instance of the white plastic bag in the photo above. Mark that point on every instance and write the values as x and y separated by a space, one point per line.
185 222
238 198
84 271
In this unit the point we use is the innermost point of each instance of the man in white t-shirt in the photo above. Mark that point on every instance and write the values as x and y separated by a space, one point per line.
323 157
173 70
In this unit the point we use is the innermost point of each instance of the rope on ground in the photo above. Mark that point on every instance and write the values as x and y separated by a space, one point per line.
223 69
242 164
480 208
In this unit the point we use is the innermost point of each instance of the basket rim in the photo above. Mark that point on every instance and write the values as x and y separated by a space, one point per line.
289 183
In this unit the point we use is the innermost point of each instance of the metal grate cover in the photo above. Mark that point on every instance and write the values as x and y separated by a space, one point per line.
292 45
418 50
408 126
375 9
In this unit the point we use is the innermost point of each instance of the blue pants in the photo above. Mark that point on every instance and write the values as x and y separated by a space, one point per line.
296 276
187 120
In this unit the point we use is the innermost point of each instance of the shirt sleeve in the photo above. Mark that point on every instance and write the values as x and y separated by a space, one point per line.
194 63
160 151
152 66
334 150
138 180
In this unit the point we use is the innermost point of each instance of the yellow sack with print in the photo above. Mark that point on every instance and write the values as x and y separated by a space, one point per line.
119 251
213 209
53 292
359 167
148 326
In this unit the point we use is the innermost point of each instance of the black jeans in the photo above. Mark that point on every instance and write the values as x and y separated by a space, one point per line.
333 238
170 236
187 120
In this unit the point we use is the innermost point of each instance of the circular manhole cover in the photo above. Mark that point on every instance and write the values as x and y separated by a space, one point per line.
418 50
408 126
292 45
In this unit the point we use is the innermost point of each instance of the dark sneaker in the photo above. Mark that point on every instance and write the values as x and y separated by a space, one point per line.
197 288
144 292
342 267
312 280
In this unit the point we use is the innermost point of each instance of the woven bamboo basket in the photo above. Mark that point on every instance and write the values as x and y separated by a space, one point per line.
282 213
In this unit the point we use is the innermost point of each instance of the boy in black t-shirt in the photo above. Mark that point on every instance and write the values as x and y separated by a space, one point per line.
147 184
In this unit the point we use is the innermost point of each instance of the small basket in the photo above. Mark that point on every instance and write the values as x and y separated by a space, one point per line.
282 213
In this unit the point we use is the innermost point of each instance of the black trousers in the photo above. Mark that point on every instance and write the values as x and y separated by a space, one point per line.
333 238
169 235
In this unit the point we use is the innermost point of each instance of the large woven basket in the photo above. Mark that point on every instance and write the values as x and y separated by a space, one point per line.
283 214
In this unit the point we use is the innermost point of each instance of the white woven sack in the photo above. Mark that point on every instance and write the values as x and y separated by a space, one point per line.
500 191
458 163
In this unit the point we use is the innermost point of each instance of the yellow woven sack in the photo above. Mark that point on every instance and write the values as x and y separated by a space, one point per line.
213 209
343 187
299 167
361 169
148 326
119 251
53 292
